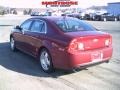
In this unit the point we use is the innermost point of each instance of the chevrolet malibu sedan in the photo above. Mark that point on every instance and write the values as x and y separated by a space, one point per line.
61 42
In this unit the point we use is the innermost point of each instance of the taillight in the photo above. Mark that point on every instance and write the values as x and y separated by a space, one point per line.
108 41
75 46
80 46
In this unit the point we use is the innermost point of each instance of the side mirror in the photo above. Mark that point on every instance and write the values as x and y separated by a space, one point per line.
18 27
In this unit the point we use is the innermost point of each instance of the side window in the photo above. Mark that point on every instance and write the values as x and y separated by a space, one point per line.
26 25
38 26
61 24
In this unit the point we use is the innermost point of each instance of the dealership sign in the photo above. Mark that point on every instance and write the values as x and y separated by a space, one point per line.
60 3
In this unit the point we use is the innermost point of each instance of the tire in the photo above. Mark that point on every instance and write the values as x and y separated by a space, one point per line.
12 44
46 61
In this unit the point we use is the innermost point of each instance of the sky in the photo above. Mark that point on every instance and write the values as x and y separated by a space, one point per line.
37 3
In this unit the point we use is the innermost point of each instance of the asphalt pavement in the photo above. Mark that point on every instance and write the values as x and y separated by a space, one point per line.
19 71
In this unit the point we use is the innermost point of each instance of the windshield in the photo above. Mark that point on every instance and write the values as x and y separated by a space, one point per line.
73 25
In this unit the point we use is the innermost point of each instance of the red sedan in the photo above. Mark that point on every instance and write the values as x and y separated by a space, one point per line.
61 42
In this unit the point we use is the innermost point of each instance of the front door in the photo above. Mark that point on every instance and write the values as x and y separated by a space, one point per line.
35 36
21 37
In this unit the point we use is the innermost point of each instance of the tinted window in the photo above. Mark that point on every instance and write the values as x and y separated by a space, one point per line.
72 25
26 25
38 26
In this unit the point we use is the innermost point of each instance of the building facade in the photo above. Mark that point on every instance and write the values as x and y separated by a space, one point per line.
114 8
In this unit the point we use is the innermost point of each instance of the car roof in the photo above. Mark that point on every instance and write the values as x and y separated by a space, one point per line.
51 18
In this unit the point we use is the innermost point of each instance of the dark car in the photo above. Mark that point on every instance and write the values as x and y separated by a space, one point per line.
86 17
105 17
61 42
118 17
34 14
75 15
98 17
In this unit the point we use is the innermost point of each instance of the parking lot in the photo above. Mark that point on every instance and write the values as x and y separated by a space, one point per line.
19 71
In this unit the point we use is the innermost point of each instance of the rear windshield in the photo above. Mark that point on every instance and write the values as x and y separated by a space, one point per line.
73 25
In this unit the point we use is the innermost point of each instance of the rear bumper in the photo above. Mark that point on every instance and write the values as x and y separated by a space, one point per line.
84 59
85 65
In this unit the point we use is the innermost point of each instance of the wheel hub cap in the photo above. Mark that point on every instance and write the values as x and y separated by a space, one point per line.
44 59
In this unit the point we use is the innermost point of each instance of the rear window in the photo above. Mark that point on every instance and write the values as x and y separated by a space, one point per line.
73 25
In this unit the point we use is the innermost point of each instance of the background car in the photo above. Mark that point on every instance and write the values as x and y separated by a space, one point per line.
61 42
118 17
75 15
105 17
35 14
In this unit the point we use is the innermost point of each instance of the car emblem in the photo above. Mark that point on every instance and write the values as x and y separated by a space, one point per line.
95 40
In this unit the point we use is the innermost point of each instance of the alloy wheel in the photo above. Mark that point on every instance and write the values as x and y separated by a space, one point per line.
45 61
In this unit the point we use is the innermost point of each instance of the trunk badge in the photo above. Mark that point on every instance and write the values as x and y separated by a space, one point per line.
95 40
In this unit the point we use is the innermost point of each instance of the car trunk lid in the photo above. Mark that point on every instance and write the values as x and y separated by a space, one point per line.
91 40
